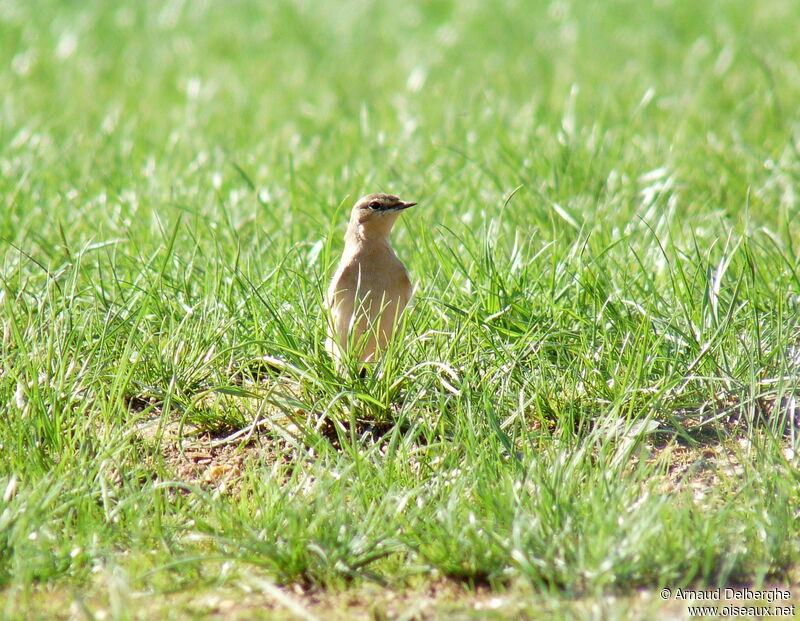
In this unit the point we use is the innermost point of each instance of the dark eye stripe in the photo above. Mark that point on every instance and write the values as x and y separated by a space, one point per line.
381 205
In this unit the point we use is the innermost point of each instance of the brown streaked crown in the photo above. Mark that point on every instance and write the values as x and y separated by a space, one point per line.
382 203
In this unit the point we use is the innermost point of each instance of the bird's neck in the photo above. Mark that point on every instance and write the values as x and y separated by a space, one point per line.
360 236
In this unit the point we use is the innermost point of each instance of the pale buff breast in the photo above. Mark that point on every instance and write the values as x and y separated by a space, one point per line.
366 299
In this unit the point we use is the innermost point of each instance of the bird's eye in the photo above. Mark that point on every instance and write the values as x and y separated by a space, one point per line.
374 206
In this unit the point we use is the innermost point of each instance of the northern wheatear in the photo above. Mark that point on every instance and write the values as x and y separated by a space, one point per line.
371 287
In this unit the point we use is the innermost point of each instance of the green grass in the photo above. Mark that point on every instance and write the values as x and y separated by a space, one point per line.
606 259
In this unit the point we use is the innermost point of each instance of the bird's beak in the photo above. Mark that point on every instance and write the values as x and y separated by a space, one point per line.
405 206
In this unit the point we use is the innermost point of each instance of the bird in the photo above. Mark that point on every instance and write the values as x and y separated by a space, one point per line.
371 287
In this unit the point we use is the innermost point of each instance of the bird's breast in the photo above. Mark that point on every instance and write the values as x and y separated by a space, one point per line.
369 274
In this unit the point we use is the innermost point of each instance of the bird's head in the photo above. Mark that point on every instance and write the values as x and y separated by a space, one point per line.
376 213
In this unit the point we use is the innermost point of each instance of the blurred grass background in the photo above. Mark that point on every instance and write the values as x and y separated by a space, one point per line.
455 102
